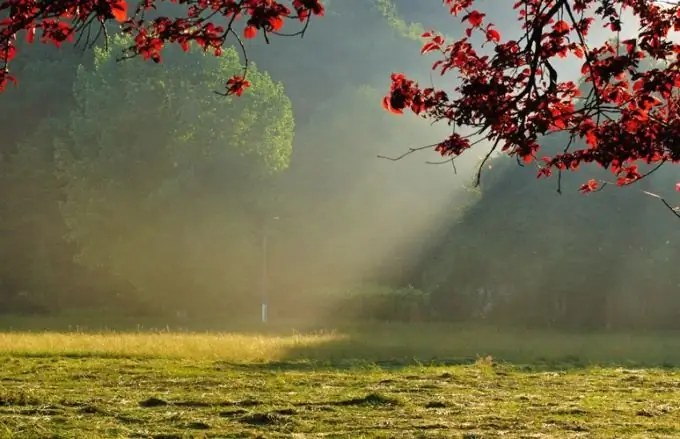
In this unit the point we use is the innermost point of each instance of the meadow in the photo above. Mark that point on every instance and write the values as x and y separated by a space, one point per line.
371 381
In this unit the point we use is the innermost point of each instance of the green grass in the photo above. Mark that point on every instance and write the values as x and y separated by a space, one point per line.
380 382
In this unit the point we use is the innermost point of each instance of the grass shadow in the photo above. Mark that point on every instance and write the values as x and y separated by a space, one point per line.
398 346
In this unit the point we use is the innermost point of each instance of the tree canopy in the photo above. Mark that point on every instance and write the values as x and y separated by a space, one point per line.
166 191
512 94
507 91
158 206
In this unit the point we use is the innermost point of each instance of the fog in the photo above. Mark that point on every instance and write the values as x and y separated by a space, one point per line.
139 191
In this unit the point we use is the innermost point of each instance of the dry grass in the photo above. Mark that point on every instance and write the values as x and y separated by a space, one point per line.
236 348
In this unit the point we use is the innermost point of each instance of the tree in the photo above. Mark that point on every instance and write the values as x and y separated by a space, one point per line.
37 268
508 92
30 232
169 207
606 261
595 263
195 22
511 95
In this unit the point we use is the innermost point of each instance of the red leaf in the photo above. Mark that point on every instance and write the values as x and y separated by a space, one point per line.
591 138
558 124
561 26
474 18
276 23
429 47
591 186
630 45
7 54
493 35
250 32
386 105
119 10
30 35
4 79
236 85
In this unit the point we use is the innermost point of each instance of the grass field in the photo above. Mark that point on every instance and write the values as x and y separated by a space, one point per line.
379 382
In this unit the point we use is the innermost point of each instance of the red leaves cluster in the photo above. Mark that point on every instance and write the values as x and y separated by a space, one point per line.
236 85
511 95
207 23
508 92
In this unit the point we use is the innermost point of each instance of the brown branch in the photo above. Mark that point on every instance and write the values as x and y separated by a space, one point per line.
301 33
407 153
452 160
675 210
478 176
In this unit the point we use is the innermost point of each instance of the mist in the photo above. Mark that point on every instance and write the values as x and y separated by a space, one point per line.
140 191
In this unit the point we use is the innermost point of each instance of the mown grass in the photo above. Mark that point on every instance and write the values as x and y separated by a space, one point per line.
378 382
227 347
384 343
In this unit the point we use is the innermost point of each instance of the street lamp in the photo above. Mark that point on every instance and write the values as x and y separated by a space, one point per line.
265 275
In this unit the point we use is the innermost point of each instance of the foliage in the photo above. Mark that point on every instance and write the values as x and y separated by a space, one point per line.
389 11
168 208
52 96
604 262
511 94
510 97
29 275
123 196
623 255
37 271
63 21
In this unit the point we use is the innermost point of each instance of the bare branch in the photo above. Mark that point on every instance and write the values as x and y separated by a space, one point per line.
407 153
478 176
675 210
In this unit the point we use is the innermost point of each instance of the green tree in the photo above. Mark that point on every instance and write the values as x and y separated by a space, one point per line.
603 261
162 180
37 269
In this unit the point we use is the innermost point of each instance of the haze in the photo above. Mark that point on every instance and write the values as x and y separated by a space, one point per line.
133 189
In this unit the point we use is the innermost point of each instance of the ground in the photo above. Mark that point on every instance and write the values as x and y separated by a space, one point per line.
352 384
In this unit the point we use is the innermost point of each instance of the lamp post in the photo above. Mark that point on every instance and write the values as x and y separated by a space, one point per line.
265 276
